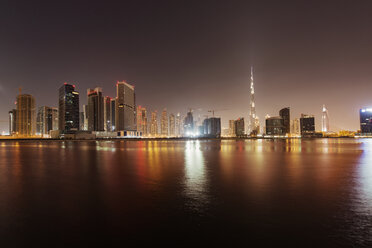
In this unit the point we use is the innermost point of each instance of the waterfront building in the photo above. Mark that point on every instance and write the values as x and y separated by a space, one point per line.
107 114
46 120
26 119
254 124
325 120
68 109
285 115
164 123
239 127
172 125
12 122
95 110
295 127
189 124
113 114
125 114
307 125
231 128
142 120
275 126
212 127
366 120
178 128
85 117
154 124
81 120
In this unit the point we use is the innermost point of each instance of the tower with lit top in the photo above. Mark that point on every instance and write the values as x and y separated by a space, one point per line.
253 119
325 119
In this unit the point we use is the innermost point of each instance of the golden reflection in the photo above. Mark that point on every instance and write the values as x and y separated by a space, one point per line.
365 178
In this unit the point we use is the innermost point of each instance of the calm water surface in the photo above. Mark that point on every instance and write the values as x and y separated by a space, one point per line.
307 193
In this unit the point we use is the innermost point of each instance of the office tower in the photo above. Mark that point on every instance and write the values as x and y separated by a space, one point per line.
85 113
239 127
26 119
12 122
178 128
231 131
253 119
172 125
154 124
275 126
295 126
113 114
307 124
81 120
189 124
45 119
285 115
107 114
142 120
68 109
125 116
212 127
325 120
366 120
95 109
164 123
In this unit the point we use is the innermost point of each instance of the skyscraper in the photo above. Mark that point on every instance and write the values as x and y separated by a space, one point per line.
275 126
107 114
12 122
95 110
125 116
285 115
295 126
212 127
26 119
253 119
172 125
85 117
189 124
239 127
46 120
164 123
142 120
113 114
307 125
325 120
178 124
366 120
154 124
68 109
231 127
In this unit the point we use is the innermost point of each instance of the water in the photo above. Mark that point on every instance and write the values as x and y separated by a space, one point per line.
306 193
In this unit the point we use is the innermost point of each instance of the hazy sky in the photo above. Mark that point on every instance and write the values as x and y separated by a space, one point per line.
193 54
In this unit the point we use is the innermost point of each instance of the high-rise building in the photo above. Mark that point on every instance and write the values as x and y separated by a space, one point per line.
295 126
26 119
253 119
154 124
285 115
85 117
239 127
81 120
212 127
325 120
107 114
12 122
178 124
68 109
366 120
189 124
95 110
275 126
164 123
125 116
142 120
172 125
307 125
231 128
46 120
113 114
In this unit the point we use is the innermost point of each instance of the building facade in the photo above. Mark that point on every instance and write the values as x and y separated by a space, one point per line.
26 119
275 126
172 125
366 120
107 114
68 109
189 124
46 120
12 122
285 114
142 120
125 114
154 124
307 125
325 119
95 110
164 128
212 127
239 127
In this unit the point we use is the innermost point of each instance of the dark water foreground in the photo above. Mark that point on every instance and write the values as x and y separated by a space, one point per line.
308 193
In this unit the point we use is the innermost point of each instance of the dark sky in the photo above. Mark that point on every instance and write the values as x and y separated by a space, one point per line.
182 54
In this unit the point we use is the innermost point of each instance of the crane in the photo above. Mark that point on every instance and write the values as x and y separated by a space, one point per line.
215 110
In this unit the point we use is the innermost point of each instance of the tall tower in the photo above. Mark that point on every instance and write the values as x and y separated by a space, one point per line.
125 114
253 119
68 108
325 119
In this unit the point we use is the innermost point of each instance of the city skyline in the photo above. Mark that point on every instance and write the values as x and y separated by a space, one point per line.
297 63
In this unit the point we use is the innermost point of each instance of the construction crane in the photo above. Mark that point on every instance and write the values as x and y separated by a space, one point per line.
215 110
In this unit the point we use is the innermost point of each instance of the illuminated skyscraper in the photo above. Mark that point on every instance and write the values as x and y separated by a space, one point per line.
285 115
253 119
189 124
366 120
295 126
107 113
154 124
113 114
307 125
325 119
46 120
142 120
95 110
68 109
231 127
125 116
178 125
239 127
172 125
164 123
12 122
26 119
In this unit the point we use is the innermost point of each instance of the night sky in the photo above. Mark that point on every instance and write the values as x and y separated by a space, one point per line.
193 54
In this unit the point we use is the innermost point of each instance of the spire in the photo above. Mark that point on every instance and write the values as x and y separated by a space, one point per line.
253 120
325 119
